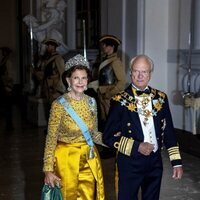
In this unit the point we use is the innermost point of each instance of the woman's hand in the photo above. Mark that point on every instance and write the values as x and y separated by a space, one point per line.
51 179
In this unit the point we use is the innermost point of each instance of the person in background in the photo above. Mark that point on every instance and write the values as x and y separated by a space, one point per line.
142 116
53 70
111 80
70 156
49 70
112 77
6 85
48 74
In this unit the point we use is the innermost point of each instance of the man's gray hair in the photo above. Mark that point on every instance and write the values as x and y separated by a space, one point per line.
136 58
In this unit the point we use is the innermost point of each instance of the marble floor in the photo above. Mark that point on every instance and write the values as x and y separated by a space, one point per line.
21 177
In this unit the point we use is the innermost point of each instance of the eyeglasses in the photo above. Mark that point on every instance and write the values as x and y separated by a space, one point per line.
137 72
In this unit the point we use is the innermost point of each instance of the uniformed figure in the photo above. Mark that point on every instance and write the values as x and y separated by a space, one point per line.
6 85
51 70
111 73
6 71
54 68
142 116
111 80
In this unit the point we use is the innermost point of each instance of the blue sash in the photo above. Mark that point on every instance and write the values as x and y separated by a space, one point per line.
80 123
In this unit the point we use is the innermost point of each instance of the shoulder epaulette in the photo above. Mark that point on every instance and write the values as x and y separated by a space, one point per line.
125 99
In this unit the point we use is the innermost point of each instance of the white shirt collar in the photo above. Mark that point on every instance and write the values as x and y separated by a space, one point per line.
138 88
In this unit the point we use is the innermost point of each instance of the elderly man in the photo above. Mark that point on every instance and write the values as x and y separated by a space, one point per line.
142 116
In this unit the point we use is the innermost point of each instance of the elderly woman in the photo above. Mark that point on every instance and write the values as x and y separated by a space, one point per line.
70 157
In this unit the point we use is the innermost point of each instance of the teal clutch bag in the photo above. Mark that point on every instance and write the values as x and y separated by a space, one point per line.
51 193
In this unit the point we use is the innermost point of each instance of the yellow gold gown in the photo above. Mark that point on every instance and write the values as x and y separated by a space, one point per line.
66 152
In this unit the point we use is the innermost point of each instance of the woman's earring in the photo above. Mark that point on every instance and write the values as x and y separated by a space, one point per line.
85 88
69 88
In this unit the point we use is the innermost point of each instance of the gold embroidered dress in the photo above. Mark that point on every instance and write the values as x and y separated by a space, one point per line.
67 153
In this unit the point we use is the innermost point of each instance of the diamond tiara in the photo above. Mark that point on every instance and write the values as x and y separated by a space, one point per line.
76 60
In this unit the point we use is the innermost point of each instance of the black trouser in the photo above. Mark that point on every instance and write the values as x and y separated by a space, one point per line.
137 172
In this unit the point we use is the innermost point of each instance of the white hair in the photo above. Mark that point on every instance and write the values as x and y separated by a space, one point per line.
136 58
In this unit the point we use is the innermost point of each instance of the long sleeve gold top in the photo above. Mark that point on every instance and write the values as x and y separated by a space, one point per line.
62 128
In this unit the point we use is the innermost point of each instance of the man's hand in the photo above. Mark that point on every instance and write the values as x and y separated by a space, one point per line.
145 148
177 173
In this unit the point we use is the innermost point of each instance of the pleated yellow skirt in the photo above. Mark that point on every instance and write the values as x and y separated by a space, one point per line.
81 177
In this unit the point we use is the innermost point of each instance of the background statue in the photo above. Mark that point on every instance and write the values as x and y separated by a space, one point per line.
50 24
